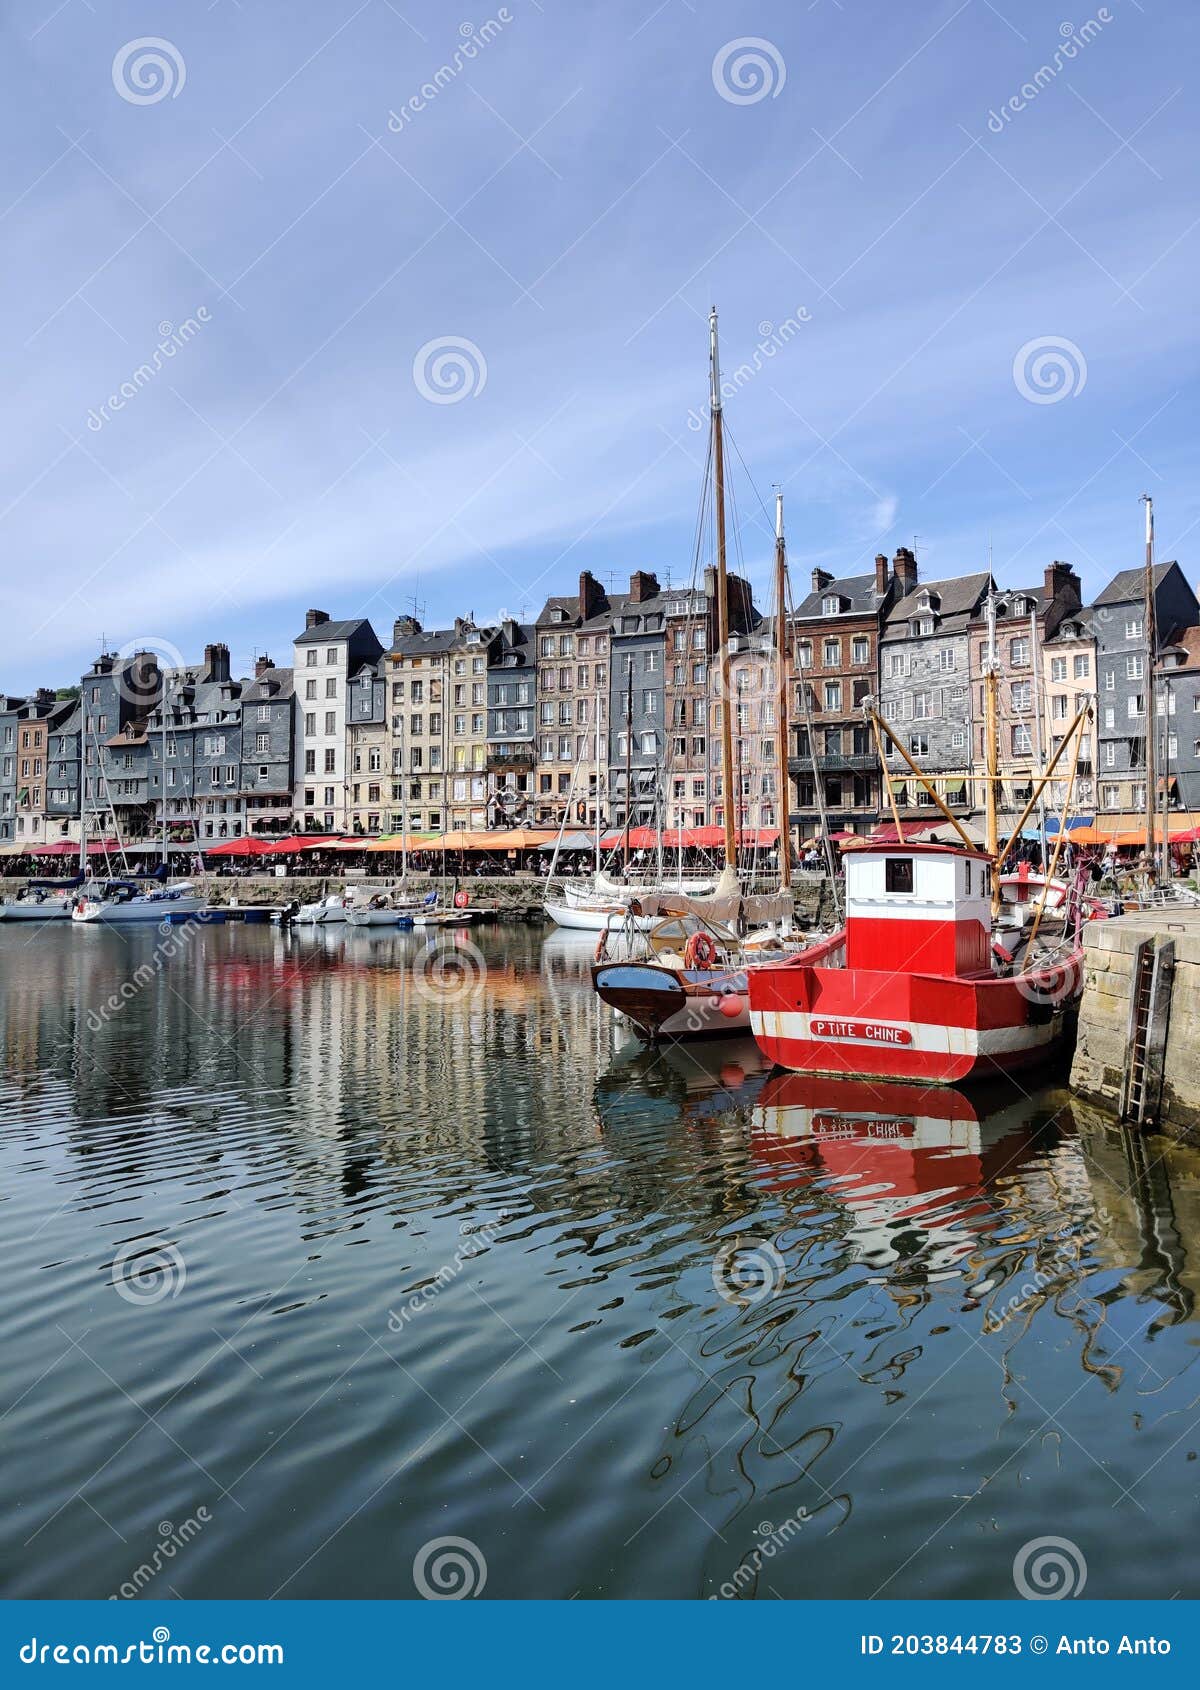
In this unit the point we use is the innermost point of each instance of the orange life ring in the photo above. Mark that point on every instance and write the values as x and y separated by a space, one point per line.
461 900
700 951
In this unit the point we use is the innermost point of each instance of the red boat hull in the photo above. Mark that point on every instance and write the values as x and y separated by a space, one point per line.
935 1029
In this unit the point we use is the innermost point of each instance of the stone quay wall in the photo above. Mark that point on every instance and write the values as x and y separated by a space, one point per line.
1101 1049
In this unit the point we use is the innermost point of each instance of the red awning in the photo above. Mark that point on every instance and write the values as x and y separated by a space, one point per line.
236 848
300 842
60 848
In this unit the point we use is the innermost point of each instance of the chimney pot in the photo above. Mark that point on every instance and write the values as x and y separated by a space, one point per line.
881 572
820 580
261 665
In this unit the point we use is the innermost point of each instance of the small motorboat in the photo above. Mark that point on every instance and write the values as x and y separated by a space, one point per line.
384 909
324 913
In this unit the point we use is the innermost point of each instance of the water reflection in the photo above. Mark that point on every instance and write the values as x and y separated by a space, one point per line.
981 1329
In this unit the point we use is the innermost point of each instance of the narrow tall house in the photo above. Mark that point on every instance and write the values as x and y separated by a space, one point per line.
1124 668
835 669
573 634
325 656
924 683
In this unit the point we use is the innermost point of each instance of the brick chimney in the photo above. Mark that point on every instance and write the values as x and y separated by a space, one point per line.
261 665
642 586
881 572
591 595
1061 578
216 662
403 628
314 618
741 604
820 580
44 695
904 568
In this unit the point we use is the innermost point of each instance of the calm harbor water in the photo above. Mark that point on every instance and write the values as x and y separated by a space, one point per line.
318 1249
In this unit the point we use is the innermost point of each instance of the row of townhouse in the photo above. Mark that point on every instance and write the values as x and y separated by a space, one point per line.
608 706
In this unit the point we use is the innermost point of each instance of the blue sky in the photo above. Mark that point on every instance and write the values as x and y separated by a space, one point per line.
562 210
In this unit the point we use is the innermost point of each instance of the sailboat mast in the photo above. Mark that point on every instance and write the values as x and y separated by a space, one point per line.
1151 717
991 730
781 651
726 692
628 761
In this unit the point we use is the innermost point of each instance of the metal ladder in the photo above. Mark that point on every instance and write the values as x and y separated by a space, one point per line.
1146 1042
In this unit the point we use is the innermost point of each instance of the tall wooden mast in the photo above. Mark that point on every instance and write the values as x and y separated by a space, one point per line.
782 653
1151 717
726 692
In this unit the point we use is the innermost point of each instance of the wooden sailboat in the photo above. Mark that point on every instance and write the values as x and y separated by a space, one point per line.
692 981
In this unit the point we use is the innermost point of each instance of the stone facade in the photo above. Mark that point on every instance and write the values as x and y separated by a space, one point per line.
835 662
573 635
924 684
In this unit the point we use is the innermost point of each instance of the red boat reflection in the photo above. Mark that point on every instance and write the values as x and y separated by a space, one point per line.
898 1157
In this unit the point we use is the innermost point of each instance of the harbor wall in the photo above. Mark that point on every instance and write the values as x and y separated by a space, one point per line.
520 893
1101 1048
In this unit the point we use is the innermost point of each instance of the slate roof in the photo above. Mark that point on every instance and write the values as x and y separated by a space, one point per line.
326 631
958 597
271 684
859 589
1128 585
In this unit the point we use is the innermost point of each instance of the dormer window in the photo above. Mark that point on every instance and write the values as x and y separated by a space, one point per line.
1021 607
558 614
831 605
924 625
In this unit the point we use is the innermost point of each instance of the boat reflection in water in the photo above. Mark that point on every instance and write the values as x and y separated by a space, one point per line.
911 1164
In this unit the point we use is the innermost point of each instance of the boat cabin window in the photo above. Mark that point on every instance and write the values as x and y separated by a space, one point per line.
898 874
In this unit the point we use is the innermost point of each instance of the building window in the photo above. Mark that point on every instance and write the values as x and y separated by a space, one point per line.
1134 668
860 649
1083 666
1018 653
1133 628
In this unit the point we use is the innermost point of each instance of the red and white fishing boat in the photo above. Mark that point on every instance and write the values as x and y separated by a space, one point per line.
913 987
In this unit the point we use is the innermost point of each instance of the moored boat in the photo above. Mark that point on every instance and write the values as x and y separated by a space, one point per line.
913 988
122 901
43 900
